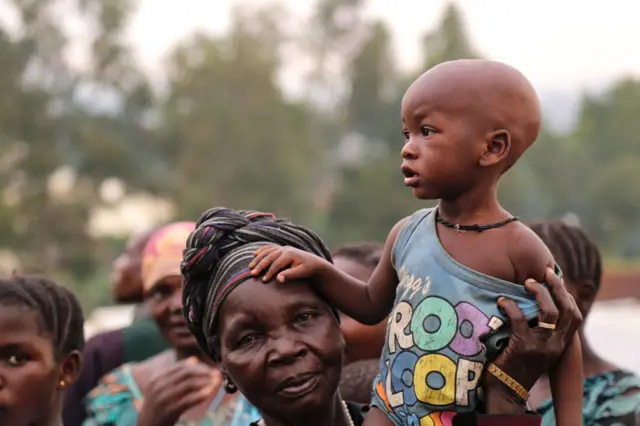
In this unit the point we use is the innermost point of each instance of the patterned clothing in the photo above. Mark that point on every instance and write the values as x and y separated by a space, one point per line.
104 353
441 331
610 399
117 400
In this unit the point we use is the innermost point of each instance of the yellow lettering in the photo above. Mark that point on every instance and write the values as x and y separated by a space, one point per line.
435 364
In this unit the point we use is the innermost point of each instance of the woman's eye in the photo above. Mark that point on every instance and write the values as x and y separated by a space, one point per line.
426 131
16 360
405 134
247 340
305 317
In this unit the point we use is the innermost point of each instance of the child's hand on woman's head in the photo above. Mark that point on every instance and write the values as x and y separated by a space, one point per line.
533 351
174 391
286 263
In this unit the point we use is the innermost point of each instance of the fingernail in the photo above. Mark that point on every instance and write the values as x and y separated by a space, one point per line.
281 278
530 281
549 269
192 360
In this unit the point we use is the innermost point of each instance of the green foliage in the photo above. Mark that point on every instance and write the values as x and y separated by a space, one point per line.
223 132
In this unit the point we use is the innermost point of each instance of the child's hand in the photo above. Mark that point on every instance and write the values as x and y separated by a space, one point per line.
287 262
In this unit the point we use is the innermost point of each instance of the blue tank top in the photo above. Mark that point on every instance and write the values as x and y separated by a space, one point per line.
436 344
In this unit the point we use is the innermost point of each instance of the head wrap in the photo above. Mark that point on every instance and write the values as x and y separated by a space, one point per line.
162 254
217 259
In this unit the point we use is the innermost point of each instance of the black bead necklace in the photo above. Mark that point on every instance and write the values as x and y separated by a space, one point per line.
476 228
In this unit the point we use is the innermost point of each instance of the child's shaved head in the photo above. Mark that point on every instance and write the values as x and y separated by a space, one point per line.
484 96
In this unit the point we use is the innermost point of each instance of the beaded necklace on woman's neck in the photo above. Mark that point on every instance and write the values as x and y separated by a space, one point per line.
344 407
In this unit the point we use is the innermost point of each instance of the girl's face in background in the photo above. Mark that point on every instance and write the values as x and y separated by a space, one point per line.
30 379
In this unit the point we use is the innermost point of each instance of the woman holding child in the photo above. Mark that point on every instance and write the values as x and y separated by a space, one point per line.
280 345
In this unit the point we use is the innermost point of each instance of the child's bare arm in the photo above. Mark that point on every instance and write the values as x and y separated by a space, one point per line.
566 379
368 303
530 258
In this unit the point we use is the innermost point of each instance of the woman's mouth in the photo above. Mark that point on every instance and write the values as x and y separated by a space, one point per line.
300 385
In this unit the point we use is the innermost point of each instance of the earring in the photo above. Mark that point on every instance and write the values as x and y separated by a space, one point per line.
63 383
228 386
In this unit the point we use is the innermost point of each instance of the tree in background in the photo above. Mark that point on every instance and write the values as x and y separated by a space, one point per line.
372 187
224 132
56 143
605 166
234 139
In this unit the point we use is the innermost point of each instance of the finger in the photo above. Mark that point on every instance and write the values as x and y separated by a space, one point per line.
569 317
282 262
297 272
258 263
265 264
516 317
261 253
191 399
188 384
548 310
264 248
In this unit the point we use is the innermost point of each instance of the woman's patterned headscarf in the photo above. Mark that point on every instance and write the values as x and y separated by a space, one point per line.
217 259
162 254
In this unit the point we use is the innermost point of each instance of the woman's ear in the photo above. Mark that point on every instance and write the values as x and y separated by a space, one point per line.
497 148
69 369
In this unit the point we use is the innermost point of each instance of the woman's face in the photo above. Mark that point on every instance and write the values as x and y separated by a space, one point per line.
281 346
584 294
165 305
29 374
363 342
126 281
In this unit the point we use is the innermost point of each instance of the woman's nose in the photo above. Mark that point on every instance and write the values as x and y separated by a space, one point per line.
286 350
175 302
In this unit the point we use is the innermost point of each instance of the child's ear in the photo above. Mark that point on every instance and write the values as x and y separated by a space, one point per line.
497 147
69 369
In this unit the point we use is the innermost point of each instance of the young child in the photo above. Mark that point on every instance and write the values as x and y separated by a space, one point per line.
465 124
41 338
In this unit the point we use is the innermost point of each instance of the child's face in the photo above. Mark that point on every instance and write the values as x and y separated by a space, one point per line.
29 376
443 141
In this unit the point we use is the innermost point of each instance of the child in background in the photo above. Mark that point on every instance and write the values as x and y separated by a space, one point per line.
465 124
41 339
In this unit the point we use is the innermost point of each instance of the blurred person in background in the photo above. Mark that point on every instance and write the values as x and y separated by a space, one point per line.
611 394
364 343
107 351
180 386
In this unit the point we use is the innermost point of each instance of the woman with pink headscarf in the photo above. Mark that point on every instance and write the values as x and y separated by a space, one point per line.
180 386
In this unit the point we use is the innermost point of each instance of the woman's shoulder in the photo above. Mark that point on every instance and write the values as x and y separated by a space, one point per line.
114 399
612 398
613 385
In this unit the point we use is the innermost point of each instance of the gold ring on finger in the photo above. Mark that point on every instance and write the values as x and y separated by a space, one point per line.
546 325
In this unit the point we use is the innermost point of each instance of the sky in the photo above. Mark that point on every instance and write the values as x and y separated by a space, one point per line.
562 45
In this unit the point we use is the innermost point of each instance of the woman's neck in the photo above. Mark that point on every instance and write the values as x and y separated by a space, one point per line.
53 418
334 415
592 362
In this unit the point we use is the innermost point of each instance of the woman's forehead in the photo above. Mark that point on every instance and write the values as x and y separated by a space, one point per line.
255 296
19 324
